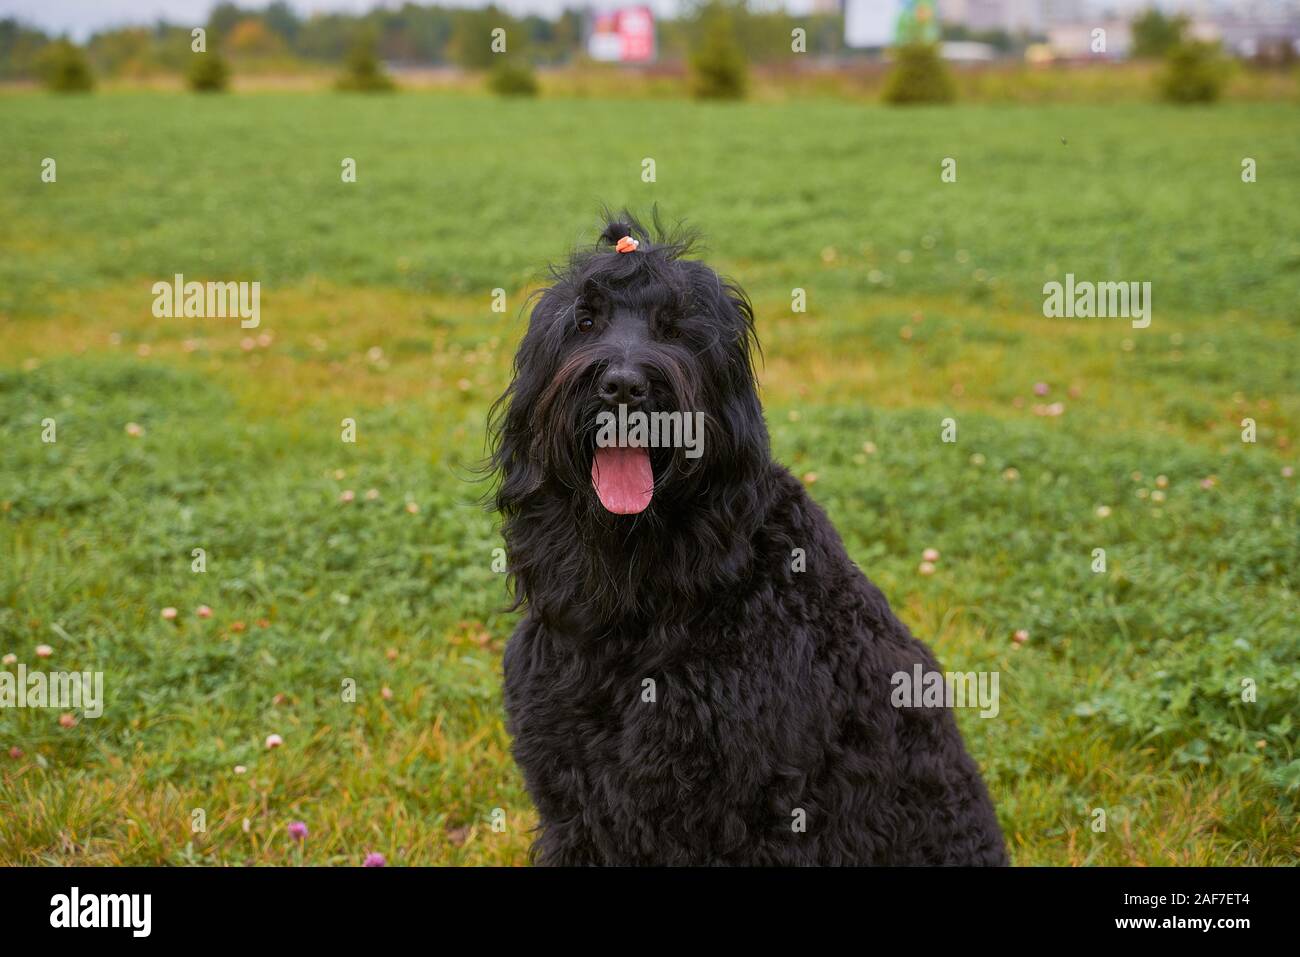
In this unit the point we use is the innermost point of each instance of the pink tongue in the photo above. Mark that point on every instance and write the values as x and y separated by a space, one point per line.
623 479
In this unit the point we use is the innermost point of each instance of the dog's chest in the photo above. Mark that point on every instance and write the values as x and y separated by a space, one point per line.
596 723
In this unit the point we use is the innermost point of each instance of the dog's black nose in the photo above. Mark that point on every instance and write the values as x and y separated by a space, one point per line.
621 385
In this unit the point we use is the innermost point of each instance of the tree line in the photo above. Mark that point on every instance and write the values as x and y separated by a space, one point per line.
277 37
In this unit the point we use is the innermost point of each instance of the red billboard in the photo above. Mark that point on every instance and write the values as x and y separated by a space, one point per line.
626 35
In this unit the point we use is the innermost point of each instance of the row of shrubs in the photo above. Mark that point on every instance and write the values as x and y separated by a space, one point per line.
64 69
1194 72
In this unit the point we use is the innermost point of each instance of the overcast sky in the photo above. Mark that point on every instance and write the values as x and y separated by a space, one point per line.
83 17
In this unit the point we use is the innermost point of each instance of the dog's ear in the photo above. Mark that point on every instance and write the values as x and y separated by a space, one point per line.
614 232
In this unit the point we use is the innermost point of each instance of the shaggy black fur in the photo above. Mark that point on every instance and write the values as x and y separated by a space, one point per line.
771 685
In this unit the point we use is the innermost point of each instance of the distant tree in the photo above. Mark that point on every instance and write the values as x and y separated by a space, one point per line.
173 48
512 76
919 76
362 72
282 21
326 37
222 20
1194 73
208 72
765 36
825 34
568 35
20 46
471 41
430 31
394 40
128 50
1155 34
539 30
718 66
63 68
251 37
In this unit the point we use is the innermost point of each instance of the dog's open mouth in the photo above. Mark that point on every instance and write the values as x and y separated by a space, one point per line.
623 479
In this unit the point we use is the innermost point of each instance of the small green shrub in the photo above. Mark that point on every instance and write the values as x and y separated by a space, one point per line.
63 68
362 71
1155 34
919 76
718 66
1194 73
512 78
208 73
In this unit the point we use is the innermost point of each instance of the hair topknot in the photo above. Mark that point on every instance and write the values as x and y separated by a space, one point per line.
673 241
614 232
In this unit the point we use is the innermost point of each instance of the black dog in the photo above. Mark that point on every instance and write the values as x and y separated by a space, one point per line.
702 676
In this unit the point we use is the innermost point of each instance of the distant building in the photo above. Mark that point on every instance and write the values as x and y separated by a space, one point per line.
1009 16
1245 27
1076 11
1019 16
1251 29
1080 41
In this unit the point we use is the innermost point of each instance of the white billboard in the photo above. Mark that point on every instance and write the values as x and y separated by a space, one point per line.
871 23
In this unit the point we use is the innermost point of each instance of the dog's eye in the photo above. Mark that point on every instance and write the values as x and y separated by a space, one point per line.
587 310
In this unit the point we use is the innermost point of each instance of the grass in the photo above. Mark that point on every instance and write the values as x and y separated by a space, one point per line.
924 302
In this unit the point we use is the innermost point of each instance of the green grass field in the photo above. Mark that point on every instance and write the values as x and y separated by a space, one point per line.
924 302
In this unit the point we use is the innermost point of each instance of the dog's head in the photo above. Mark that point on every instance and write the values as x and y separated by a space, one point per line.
633 394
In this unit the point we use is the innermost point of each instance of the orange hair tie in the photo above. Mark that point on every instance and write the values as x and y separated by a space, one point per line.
627 245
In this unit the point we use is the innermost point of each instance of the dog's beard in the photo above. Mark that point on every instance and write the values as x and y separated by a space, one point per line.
580 566
621 479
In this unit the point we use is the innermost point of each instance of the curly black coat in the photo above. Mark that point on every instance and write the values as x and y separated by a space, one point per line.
679 690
